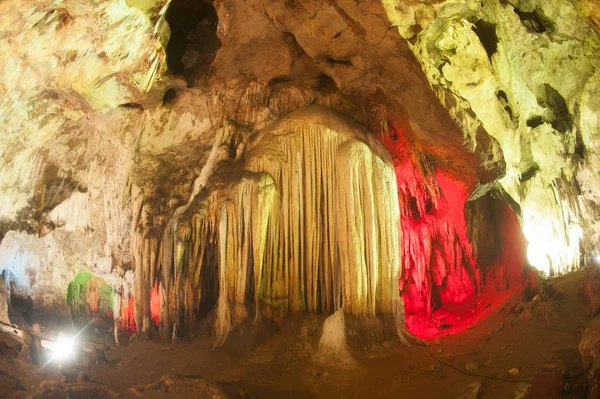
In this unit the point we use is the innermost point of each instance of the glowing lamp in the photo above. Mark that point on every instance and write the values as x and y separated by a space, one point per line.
62 350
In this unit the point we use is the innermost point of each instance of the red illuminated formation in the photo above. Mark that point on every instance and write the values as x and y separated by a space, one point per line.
155 304
127 309
127 318
441 282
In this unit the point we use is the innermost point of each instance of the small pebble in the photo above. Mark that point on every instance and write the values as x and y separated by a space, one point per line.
471 366
549 366
514 371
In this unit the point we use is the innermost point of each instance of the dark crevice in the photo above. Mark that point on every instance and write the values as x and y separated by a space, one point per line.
503 98
344 63
279 80
132 106
529 173
193 44
487 36
414 209
502 95
169 96
326 84
558 116
535 121
232 148
579 144
209 282
535 21
337 35
393 133
417 29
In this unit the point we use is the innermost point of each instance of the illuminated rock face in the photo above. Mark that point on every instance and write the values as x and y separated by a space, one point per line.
307 222
260 158
525 72
454 248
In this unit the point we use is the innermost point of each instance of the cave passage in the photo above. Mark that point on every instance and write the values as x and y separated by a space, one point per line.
460 259
193 44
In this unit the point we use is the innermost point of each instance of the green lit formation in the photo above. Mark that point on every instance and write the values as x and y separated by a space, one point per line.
88 294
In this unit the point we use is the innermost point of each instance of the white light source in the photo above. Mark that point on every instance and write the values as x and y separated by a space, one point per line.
552 248
62 349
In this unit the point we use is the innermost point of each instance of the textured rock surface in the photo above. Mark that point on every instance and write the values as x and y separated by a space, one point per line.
525 71
589 349
590 291
333 349
4 300
138 133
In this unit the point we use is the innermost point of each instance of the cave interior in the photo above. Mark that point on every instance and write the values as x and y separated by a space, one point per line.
215 198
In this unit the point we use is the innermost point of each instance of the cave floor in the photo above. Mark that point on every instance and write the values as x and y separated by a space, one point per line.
267 362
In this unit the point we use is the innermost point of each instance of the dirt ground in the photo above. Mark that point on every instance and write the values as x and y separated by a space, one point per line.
532 339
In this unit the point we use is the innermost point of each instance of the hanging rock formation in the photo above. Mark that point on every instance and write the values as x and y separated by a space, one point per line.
263 157
308 221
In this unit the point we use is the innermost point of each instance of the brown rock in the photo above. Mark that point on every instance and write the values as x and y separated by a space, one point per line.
3 302
590 290
589 347
471 366
471 391
547 385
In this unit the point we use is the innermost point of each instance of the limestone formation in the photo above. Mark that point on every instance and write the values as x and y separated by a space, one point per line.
525 72
333 349
4 301
292 249
162 160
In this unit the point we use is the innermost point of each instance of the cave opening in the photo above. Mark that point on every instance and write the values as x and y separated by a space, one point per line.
193 44
486 32
535 21
169 96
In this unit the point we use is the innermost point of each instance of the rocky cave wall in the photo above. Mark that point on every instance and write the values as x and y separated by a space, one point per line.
526 72
161 158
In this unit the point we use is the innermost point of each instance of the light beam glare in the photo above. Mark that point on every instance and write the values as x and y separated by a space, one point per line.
63 349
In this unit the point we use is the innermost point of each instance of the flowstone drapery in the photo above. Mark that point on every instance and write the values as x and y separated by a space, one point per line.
308 221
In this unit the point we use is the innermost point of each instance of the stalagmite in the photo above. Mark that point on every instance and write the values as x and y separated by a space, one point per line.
333 349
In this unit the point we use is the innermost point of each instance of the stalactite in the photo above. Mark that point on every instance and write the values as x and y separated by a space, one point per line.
437 256
170 272
308 221
316 160
368 283
237 218
145 247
